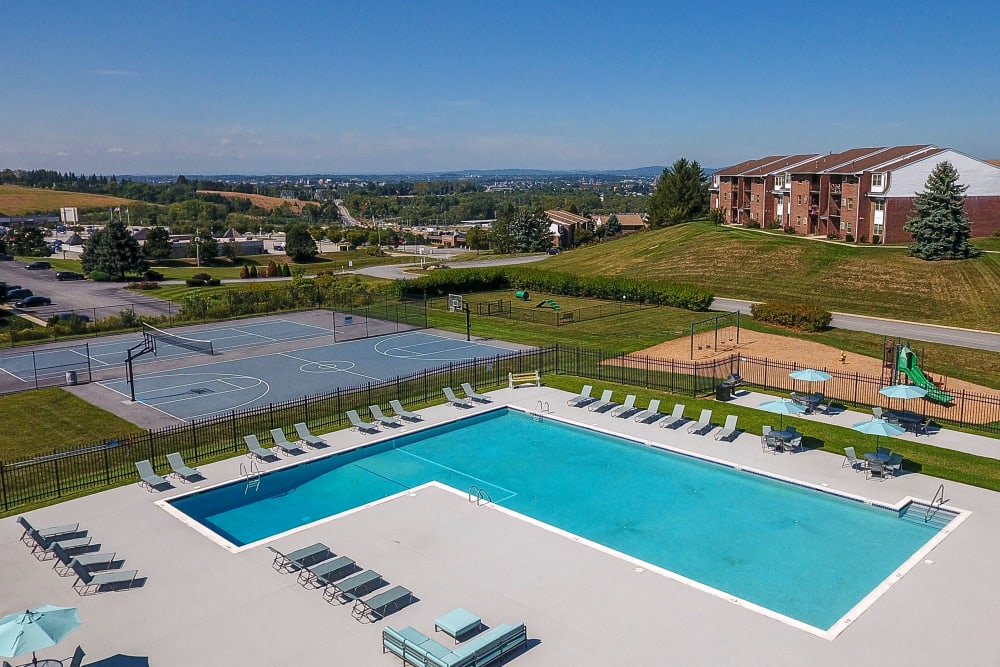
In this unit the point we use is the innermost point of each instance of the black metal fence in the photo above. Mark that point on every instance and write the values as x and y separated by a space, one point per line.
549 312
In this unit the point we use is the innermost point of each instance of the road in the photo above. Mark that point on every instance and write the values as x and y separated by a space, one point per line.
931 333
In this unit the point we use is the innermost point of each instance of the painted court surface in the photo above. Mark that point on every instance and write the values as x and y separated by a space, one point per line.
202 390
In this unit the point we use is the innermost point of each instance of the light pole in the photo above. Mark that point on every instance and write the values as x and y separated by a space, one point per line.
197 247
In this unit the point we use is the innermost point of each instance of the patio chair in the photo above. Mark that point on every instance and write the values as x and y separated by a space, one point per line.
403 413
625 408
449 394
704 423
764 432
604 403
63 563
877 412
798 399
770 443
359 424
729 429
147 477
305 436
77 659
474 395
676 417
355 585
381 418
875 468
851 459
651 414
85 580
583 398
320 574
254 448
43 545
894 465
296 560
381 605
52 531
793 445
282 443
180 469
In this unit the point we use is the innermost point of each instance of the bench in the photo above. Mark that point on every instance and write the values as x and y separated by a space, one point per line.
416 649
533 379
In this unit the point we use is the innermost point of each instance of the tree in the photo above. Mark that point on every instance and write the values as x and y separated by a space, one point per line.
229 250
717 216
204 246
113 251
939 224
158 245
477 239
614 227
28 240
681 194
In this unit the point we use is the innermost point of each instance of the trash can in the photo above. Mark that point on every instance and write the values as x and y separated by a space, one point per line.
724 392
522 295
71 378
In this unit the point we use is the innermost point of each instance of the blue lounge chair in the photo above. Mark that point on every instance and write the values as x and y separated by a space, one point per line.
180 469
729 429
307 437
449 393
43 545
626 408
52 531
703 425
355 586
359 424
320 574
282 443
651 414
254 449
64 560
296 560
676 417
87 582
381 605
583 398
471 393
147 477
603 403
382 418
403 413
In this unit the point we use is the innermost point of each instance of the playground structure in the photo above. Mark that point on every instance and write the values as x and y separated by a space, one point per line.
709 333
548 303
900 358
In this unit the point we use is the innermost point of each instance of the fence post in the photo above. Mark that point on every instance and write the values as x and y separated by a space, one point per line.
194 437
90 371
305 406
55 465
3 484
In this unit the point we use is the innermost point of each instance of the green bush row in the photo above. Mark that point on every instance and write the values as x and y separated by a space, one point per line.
612 288
201 282
792 315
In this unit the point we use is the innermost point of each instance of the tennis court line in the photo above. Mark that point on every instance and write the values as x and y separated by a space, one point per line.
322 363
459 472
16 377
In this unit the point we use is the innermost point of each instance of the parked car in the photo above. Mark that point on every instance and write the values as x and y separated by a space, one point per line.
69 275
33 301
38 265
4 257
19 293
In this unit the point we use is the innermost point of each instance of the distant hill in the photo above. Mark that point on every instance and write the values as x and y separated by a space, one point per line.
17 200
261 201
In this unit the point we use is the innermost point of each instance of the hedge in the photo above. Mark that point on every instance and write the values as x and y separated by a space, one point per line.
792 315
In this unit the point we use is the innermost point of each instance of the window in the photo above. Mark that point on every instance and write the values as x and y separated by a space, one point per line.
753 215
727 196
850 203
849 228
879 206
878 180
798 220
800 199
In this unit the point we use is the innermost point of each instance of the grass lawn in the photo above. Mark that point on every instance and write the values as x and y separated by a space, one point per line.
742 263
17 200
54 420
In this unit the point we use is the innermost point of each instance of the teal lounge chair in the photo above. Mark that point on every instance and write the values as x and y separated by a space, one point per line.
147 477
254 448
320 574
43 545
296 560
651 414
381 418
471 393
63 564
729 429
603 403
703 425
307 437
583 398
625 408
403 413
180 469
52 531
355 586
359 424
282 443
381 605
87 582
676 417
449 393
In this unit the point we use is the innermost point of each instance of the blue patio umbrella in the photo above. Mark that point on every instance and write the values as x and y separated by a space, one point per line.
810 375
783 407
904 391
878 427
35 629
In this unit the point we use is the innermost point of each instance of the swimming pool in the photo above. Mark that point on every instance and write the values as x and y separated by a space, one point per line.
795 551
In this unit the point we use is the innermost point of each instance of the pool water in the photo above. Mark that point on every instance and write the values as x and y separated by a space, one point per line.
805 554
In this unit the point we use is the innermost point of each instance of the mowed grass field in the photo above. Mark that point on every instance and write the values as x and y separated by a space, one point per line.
740 263
16 200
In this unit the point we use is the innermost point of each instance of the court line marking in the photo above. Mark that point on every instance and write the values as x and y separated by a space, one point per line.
335 370
16 377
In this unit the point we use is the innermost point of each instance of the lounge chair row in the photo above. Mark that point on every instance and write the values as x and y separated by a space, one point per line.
282 444
652 414
379 418
417 649
73 553
342 581
472 396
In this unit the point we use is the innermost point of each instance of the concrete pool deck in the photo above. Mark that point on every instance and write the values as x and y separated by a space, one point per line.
200 604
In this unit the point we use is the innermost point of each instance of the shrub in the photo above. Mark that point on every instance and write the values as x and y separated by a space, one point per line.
791 315
152 275
201 276
849 238
195 282
753 225
99 276
244 273
876 239
833 236
143 285
272 269
789 230
286 271
774 224
253 271
213 282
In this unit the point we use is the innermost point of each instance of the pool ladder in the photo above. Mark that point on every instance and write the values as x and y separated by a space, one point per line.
541 409
935 505
251 476
479 495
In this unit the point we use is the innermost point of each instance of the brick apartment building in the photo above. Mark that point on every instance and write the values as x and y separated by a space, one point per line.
861 194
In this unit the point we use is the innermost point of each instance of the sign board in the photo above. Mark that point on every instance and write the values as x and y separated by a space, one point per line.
69 215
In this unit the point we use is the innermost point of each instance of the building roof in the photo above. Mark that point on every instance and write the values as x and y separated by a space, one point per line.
995 163
560 217
896 156
631 220
784 164
747 165
831 161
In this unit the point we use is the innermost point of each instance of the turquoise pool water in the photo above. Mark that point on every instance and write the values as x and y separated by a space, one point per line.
805 554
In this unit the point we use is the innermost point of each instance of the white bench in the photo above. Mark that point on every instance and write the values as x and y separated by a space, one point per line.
533 379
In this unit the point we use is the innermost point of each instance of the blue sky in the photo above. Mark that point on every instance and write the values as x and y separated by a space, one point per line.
337 87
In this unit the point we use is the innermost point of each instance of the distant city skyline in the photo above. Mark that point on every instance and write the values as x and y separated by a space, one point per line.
392 87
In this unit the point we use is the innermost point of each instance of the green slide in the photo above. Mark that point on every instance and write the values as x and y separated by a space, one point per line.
907 364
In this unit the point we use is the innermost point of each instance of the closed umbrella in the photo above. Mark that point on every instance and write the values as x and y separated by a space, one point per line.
783 407
878 427
810 375
35 629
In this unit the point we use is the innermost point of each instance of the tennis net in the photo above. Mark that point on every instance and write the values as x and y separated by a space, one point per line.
158 336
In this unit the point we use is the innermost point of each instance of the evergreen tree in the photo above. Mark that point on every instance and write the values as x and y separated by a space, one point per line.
299 243
158 245
530 230
501 238
113 251
939 224
28 240
614 227
681 194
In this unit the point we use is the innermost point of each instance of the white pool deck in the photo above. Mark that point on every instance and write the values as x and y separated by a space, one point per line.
203 605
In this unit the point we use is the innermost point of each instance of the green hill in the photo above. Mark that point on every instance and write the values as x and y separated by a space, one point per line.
748 264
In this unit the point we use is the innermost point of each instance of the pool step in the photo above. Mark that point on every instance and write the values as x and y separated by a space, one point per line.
925 515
